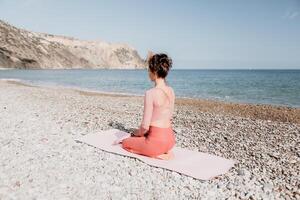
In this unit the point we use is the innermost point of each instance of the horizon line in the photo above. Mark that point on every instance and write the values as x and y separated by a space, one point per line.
238 68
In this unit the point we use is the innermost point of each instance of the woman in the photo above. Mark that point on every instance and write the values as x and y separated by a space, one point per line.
155 136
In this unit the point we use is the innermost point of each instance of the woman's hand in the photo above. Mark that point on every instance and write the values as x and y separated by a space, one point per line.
139 132
136 132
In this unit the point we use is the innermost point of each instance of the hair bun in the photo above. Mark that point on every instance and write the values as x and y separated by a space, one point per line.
160 64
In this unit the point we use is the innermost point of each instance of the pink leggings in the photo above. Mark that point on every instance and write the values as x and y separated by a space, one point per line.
157 142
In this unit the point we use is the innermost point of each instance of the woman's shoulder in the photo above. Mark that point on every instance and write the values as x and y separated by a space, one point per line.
149 92
155 90
171 90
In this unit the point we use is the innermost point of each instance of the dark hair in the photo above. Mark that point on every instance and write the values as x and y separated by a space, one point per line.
160 64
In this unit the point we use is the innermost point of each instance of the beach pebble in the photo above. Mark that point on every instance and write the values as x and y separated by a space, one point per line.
267 187
240 172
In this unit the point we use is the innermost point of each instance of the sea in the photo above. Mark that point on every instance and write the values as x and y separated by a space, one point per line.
275 87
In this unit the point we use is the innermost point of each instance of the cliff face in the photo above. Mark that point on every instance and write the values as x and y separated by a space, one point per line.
28 50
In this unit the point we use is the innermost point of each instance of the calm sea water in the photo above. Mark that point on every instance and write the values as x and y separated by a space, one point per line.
277 87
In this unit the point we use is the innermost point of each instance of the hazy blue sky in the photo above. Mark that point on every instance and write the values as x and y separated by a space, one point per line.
196 34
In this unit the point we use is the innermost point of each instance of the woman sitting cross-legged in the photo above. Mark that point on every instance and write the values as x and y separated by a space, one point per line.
155 136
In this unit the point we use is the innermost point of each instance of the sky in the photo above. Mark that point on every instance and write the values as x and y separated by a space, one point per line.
202 34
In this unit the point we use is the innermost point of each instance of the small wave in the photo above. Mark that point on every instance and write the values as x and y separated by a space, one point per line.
99 91
11 79
59 86
3 68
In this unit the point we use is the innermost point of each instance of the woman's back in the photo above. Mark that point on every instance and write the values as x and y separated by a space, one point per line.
162 99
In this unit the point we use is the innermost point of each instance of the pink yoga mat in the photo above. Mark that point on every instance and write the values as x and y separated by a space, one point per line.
191 163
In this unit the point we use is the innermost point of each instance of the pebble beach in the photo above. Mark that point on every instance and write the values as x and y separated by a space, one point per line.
39 158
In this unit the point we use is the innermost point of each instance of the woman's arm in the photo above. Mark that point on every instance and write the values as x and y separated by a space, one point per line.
148 109
172 103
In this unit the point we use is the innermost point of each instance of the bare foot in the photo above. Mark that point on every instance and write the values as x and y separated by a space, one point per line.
166 156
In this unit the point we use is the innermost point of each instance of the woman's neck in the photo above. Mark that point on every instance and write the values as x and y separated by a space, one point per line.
160 82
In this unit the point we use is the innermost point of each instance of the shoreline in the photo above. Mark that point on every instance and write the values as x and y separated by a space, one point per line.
270 112
3 68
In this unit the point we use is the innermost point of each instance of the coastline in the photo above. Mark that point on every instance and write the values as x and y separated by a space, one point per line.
276 92
39 124
254 111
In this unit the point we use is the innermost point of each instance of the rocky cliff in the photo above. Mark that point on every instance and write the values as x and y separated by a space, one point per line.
29 50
